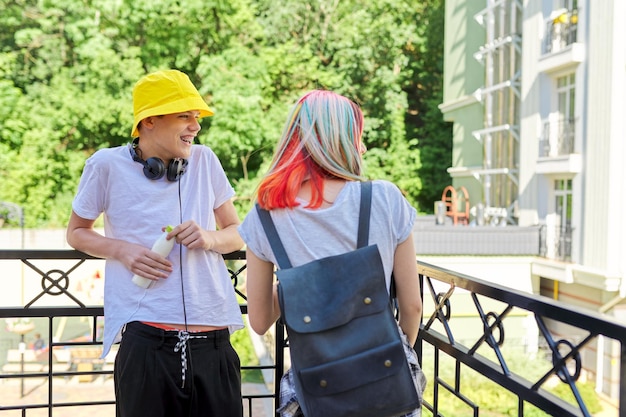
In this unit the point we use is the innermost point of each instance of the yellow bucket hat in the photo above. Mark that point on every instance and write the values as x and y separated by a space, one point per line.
165 92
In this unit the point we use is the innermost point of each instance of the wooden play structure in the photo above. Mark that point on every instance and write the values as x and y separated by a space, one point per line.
457 204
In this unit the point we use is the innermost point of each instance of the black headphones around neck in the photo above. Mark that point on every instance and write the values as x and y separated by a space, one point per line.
154 168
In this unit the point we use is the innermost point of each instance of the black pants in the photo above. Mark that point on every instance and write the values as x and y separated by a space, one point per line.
162 373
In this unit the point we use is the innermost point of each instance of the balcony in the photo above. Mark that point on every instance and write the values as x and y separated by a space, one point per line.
561 30
561 48
557 243
538 353
557 138
557 148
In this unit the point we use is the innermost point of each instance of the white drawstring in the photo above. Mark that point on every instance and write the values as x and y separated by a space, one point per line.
183 337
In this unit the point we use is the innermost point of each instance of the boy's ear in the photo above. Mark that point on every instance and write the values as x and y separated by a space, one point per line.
148 122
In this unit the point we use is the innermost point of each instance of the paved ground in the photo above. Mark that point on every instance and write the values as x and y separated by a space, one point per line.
73 391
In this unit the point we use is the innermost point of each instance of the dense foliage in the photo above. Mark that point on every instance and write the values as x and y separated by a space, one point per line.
68 66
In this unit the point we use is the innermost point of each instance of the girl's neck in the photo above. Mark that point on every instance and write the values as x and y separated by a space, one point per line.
332 188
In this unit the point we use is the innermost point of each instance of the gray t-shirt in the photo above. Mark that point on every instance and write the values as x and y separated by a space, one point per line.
309 234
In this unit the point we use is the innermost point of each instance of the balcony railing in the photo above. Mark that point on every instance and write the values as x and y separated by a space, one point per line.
556 242
561 31
470 333
557 138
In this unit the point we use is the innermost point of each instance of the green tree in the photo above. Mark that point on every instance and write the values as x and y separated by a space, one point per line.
423 83
68 69
357 48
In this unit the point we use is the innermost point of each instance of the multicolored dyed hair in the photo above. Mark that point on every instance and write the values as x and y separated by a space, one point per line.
321 139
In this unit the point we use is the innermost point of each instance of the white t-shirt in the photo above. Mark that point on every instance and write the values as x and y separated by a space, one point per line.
312 234
136 209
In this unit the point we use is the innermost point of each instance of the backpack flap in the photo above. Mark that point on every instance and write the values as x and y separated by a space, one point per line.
332 291
354 371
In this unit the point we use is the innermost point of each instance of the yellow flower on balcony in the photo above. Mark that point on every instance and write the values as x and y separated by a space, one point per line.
562 18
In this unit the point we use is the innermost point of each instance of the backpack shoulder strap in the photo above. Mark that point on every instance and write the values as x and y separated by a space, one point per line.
364 227
274 239
277 244
364 214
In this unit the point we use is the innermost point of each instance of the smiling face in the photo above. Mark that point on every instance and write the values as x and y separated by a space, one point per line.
169 136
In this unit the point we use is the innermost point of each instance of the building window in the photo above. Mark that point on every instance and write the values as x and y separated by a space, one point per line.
566 90
559 129
566 4
566 116
563 211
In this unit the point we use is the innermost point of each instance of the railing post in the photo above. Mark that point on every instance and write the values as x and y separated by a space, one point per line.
622 379
279 355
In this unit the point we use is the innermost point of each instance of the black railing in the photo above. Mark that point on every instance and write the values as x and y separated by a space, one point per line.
462 342
562 342
57 282
557 138
556 242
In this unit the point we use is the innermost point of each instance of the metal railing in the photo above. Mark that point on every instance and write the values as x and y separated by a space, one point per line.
462 339
561 31
57 282
557 138
566 344
556 242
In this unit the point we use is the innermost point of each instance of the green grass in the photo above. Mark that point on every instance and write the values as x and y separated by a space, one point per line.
243 345
493 400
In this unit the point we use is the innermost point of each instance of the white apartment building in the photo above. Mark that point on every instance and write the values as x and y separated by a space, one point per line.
536 90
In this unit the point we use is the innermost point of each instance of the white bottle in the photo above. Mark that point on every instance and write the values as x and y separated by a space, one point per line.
163 247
